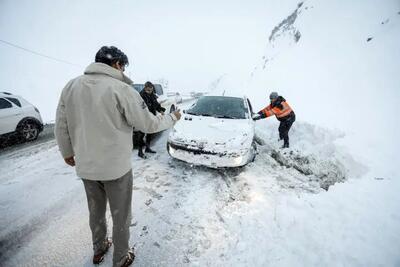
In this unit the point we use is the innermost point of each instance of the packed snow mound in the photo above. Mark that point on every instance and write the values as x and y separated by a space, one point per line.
324 172
315 159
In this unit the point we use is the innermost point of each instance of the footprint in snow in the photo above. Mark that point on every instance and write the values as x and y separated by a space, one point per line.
145 230
148 202
151 179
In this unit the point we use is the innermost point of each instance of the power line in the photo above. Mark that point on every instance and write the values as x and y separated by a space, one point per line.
40 54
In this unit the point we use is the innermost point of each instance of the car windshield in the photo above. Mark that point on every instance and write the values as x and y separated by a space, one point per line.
138 87
219 107
158 89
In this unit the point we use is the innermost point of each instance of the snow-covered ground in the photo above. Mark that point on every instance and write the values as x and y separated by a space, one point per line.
273 212
330 200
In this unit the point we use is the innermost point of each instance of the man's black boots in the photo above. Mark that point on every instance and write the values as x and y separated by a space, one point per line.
285 145
149 150
141 154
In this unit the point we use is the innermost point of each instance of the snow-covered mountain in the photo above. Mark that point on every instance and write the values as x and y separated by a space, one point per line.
322 59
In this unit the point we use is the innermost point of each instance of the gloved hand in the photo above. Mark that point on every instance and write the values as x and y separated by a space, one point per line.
256 117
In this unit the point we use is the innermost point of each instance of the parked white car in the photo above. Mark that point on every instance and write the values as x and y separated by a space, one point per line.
18 116
169 103
176 95
216 131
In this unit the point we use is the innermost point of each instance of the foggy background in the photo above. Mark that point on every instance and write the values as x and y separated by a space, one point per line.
190 44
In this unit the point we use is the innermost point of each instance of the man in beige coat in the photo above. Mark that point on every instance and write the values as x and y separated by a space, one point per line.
95 117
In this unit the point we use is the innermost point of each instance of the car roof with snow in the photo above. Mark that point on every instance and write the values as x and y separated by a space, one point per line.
226 95
6 94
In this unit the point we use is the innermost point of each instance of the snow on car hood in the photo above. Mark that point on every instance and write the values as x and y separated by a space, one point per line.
213 134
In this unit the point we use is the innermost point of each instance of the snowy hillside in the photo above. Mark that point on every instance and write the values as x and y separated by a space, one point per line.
320 59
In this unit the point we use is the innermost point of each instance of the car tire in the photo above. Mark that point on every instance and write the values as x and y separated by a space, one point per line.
172 109
254 151
29 131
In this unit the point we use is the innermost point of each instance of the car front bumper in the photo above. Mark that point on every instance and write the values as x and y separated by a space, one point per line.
208 158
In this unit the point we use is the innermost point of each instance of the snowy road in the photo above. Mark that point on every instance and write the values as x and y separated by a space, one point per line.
265 214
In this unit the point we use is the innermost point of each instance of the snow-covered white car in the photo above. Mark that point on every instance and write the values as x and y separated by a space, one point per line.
176 95
216 131
169 103
18 116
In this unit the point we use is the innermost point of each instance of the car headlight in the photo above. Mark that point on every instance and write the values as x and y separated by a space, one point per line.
238 160
171 150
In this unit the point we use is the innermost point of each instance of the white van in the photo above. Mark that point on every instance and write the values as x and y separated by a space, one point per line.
18 116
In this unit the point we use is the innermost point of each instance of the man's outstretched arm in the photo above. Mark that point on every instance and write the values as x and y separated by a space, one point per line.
136 113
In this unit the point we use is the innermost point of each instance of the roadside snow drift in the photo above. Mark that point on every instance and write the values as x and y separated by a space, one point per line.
314 160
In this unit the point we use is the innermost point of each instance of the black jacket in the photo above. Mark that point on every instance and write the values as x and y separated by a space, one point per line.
151 102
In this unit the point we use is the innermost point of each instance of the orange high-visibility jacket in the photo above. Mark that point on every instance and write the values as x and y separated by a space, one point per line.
276 110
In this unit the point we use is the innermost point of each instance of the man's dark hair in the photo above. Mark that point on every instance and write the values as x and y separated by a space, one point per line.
149 85
110 55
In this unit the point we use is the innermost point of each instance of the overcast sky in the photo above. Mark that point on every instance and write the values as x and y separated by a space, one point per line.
188 43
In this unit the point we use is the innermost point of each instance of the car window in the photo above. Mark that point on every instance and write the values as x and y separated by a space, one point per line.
15 101
4 104
158 89
219 107
138 87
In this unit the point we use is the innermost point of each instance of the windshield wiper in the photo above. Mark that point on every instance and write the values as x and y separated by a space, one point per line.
198 114
225 117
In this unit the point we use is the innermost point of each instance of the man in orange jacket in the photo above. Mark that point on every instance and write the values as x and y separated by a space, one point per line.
283 112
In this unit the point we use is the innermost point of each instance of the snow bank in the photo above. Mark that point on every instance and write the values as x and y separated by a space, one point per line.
333 77
315 157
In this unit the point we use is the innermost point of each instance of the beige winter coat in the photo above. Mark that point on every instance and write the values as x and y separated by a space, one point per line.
95 117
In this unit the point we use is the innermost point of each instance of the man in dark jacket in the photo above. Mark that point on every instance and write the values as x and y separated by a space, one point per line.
150 98
283 112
